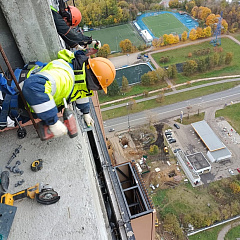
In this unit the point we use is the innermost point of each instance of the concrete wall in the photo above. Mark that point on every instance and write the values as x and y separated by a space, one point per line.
8 44
32 31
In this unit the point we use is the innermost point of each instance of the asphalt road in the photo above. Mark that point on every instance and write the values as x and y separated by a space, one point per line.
217 100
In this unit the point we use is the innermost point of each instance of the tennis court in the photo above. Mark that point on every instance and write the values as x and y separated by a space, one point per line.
114 35
165 23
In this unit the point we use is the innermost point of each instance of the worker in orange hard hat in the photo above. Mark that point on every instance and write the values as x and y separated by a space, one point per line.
66 18
73 76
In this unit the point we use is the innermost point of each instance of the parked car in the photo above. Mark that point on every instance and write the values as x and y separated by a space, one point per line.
111 130
168 134
230 171
176 125
176 150
172 140
168 130
238 169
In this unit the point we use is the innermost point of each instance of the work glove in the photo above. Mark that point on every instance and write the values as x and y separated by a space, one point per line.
88 119
58 129
96 44
78 47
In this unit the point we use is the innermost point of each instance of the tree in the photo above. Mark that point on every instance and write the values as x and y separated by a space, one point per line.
104 51
171 224
200 33
202 67
160 72
189 6
203 12
154 149
172 71
145 79
189 67
228 58
124 84
207 31
113 89
235 187
173 3
160 97
193 34
184 36
126 45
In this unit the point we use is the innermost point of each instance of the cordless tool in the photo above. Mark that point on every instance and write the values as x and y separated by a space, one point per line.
69 121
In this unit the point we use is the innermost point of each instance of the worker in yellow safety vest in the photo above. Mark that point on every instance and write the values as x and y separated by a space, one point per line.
72 76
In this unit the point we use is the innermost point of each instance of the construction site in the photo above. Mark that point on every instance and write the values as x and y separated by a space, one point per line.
159 169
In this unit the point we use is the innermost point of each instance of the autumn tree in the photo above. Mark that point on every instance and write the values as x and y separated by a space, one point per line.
174 4
160 72
126 45
104 51
228 58
200 32
124 84
207 31
235 187
154 149
189 67
189 6
184 36
193 34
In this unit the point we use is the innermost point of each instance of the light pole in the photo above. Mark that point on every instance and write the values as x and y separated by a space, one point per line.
128 118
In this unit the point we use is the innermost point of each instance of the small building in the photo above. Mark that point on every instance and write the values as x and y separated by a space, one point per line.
146 36
199 162
217 151
188 168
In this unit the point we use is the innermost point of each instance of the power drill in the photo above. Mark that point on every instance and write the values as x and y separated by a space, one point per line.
68 120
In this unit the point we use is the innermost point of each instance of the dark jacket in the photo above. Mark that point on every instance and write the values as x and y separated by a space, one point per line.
71 37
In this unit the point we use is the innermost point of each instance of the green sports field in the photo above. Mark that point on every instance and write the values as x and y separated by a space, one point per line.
114 35
164 24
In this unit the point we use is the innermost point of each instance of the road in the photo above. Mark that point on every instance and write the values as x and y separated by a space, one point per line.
217 100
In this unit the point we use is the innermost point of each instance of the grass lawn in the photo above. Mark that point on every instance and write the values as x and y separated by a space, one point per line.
210 234
192 118
134 90
164 24
114 35
236 35
233 233
232 114
118 112
180 55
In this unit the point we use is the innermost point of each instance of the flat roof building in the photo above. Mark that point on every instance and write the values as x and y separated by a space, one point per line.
217 151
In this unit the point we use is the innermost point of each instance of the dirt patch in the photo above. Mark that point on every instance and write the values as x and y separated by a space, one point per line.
132 146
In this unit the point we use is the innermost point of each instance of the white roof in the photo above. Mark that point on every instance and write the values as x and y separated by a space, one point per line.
207 135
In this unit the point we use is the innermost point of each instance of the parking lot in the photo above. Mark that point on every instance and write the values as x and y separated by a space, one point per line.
189 142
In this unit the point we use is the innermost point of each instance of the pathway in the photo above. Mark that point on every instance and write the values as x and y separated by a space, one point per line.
225 229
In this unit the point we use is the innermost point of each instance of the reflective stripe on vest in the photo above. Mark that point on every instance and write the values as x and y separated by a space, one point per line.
44 107
80 89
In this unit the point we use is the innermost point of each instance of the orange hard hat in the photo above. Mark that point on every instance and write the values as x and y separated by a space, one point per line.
104 71
76 16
